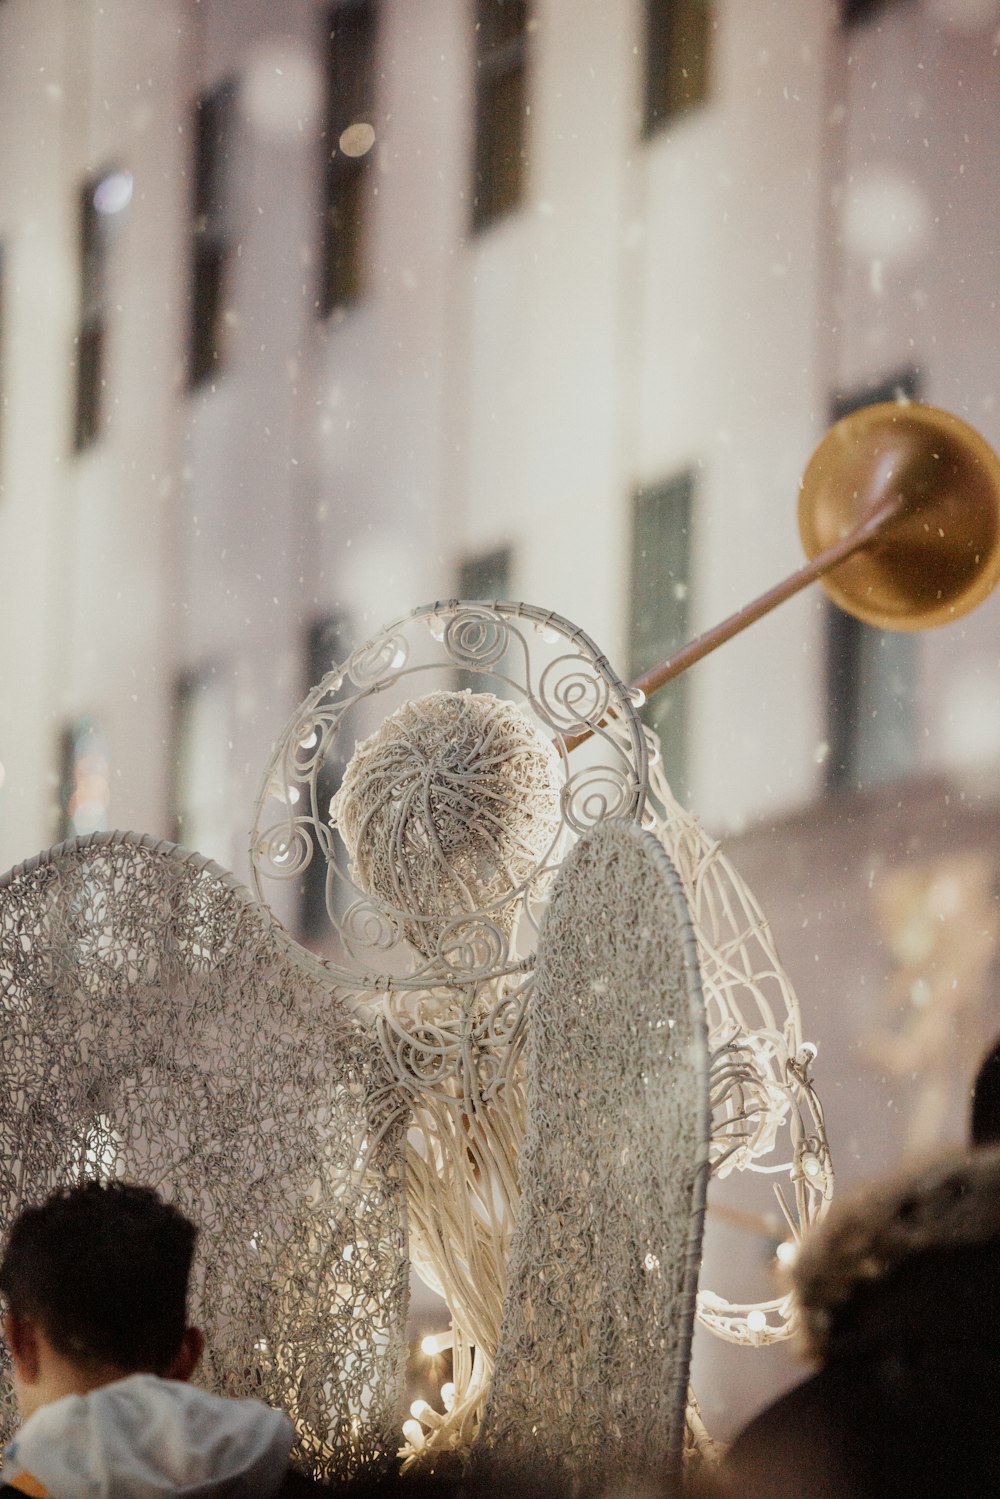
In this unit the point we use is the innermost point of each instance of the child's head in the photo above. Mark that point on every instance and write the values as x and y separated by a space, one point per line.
101 1273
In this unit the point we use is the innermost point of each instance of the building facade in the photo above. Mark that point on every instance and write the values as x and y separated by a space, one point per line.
313 312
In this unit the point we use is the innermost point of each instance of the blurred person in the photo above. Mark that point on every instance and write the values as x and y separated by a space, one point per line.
95 1281
899 1305
984 1122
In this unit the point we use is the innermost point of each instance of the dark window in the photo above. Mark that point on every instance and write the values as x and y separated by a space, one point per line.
102 201
485 577
870 673
202 764
660 608
678 48
84 779
326 646
214 137
856 12
501 108
348 139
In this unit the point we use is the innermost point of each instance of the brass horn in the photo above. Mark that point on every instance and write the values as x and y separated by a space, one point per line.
899 515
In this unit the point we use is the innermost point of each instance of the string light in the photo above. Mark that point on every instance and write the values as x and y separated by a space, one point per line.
436 1342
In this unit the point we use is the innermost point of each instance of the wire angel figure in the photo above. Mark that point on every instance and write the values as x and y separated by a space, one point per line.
450 824
393 1081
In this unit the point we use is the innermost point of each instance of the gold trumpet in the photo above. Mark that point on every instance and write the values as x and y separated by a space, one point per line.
899 514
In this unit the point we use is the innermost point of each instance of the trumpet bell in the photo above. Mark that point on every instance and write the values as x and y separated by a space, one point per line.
937 554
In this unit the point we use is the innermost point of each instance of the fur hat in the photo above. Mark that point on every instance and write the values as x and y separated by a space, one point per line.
952 1202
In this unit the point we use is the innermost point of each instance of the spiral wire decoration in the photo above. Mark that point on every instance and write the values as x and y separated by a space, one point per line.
453 1028
381 1091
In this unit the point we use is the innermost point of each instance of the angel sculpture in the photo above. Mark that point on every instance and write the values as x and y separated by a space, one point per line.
410 1097
450 826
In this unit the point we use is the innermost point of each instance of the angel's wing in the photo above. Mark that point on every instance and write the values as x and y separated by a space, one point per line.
592 1367
157 1025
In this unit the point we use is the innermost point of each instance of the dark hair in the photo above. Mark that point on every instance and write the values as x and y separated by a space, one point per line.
103 1269
984 1125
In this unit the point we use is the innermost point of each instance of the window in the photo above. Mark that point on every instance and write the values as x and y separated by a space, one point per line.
857 12
326 645
870 673
102 201
660 611
84 779
485 577
678 46
348 139
214 134
201 770
501 108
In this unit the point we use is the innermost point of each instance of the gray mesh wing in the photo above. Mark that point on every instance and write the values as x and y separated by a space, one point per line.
158 1026
592 1368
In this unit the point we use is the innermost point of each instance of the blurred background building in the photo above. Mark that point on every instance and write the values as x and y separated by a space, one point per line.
313 312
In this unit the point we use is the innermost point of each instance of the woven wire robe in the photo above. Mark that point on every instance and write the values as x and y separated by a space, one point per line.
453 1016
156 1027
591 1375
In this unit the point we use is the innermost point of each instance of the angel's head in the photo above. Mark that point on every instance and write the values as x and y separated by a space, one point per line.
448 811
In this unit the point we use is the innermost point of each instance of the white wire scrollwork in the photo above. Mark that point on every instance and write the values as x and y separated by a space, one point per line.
452 816
455 814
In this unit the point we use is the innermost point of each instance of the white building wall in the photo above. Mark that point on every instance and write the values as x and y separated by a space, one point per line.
694 298
828 218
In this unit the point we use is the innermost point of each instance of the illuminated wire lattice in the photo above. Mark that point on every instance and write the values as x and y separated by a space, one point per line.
156 1029
591 1376
161 1023
449 989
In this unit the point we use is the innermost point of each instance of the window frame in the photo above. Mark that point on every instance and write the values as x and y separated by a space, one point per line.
499 164
215 126
664 51
669 715
346 181
851 647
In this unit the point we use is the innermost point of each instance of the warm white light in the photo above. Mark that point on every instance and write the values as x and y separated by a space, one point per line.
785 1252
357 139
885 216
282 89
435 1343
399 659
756 1321
420 1410
448 1395
414 1433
